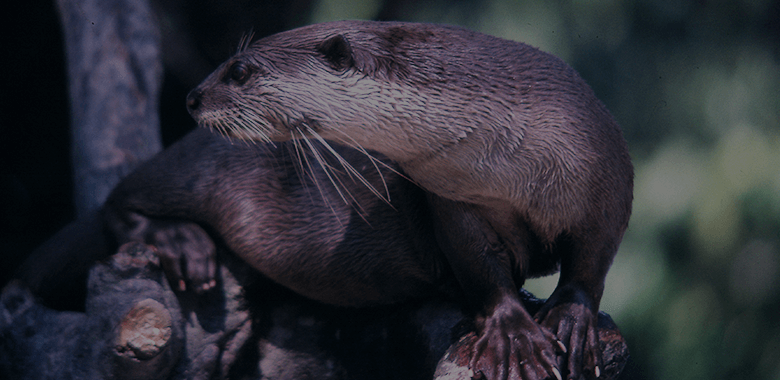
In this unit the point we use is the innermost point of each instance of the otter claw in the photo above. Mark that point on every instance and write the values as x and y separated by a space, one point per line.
558 373
563 347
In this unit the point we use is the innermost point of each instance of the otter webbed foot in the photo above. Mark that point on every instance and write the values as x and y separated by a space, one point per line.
187 254
512 346
570 317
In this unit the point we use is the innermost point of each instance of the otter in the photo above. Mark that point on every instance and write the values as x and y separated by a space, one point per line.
525 170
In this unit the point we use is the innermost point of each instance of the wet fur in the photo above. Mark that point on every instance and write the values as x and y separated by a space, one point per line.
524 167
285 218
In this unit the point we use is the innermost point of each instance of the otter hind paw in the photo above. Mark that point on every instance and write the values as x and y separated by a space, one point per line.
512 346
575 326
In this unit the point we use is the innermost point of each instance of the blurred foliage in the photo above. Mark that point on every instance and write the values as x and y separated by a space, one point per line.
694 84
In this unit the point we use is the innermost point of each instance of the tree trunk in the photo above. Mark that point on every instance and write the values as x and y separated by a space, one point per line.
115 71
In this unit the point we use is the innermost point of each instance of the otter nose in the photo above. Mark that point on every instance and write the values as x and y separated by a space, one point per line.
193 100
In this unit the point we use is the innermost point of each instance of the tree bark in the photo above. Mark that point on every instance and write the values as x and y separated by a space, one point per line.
135 327
114 72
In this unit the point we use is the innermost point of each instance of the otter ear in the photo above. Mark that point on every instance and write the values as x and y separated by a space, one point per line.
337 52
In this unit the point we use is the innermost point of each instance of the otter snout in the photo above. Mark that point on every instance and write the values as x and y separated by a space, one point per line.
193 101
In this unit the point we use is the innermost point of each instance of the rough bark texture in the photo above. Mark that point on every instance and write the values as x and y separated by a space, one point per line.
40 343
114 72
135 327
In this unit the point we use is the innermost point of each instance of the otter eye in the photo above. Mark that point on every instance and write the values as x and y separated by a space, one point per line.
239 72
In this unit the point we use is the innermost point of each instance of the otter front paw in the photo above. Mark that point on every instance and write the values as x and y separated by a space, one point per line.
512 346
576 326
187 254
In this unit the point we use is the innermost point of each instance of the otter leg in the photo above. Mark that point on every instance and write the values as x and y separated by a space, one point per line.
571 312
510 344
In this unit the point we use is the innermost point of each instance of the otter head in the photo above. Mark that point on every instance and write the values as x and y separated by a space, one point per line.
357 83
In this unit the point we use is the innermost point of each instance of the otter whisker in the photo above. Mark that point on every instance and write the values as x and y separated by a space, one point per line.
324 166
356 146
352 143
300 168
304 163
354 173
245 41
337 184
302 157
255 130
240 129
250 126
219 126
331 172
226 129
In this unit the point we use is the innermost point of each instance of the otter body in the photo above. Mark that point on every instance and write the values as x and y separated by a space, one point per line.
283 217
525 169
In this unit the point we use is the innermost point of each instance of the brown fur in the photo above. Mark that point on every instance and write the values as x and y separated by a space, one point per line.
285 220
524 167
